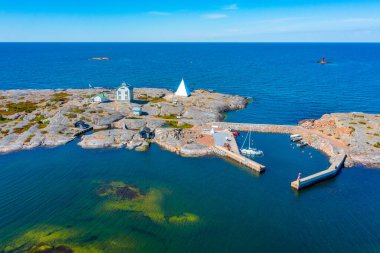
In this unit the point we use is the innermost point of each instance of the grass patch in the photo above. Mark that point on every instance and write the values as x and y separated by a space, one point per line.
13 108
157 100
5 132
4 120
362 122
174 124
145 97
377 145
20 130
60 97
70 115
29 138
77 110
169 116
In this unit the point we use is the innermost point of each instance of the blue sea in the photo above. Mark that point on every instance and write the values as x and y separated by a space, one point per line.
43 191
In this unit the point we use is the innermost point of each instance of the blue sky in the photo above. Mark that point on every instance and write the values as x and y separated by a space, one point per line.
196 20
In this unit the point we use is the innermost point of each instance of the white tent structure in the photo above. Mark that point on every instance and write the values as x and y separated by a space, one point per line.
182 90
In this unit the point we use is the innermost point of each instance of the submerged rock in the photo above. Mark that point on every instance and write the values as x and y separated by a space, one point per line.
119 190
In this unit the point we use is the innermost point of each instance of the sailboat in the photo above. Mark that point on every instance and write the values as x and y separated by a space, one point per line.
250 151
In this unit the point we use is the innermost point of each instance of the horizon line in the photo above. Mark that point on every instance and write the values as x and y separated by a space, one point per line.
216 42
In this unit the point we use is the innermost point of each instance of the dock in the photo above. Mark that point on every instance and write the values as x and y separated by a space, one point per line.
233 153
332 171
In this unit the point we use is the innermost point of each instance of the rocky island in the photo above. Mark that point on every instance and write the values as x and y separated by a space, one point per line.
33 118
181 124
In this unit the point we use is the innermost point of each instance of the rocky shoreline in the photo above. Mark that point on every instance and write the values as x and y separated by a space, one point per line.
33 118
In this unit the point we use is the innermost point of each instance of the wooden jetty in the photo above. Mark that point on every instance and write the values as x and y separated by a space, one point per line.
332 171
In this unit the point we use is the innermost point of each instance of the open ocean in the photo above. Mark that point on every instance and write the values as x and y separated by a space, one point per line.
238 210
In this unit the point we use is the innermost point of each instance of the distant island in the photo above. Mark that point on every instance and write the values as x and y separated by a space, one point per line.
100 59
180 123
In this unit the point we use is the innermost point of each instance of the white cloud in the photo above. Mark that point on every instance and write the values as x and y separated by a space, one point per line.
231 7
214 16
158 13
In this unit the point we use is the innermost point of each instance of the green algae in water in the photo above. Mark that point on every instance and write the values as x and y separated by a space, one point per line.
44 234
123 197
148 204
184 218
51 239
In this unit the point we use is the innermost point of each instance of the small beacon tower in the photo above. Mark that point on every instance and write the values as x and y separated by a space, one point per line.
182 90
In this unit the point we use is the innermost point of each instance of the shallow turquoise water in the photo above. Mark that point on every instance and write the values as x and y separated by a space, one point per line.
239 211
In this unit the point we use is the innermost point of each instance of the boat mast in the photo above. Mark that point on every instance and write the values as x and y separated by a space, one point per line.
249 141
245 140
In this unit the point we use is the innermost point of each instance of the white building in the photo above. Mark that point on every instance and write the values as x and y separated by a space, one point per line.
182 90
124 93
100 98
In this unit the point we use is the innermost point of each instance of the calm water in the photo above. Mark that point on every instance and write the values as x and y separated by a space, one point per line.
283 79
239 211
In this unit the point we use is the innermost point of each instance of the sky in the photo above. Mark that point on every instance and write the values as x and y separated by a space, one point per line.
190 21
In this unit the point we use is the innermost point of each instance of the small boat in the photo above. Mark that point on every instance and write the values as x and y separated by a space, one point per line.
295 137
236 134
250 151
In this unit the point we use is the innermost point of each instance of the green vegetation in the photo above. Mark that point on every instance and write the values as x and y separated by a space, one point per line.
358 116
175 124
77 110
362 122
5 132
4 120
43 124
20 130
70 115
13 108
40 119
145 97
169 116
60 97
353 123
29 138
157 100
377 145
352 128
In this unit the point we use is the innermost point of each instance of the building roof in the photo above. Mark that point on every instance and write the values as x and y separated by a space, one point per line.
124 84
182 90
102 96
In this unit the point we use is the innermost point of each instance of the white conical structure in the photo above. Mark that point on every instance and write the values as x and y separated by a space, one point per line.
182 90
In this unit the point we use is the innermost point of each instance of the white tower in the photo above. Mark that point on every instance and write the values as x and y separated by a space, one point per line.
182 90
